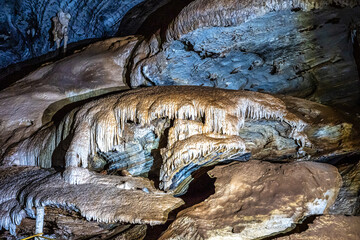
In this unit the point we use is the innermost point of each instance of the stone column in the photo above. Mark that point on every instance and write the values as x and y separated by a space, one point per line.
39 227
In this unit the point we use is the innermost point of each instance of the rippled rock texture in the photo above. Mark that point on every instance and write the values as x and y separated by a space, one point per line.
26 25
105 199
298 53
257 199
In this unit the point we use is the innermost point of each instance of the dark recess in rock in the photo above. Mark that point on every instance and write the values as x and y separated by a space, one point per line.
160 19
149 16
199 189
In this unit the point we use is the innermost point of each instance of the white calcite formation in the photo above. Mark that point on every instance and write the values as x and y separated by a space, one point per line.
257 199
104 198
12 180
60 30
213 120
215 13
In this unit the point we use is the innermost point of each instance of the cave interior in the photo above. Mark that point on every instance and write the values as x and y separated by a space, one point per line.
180 119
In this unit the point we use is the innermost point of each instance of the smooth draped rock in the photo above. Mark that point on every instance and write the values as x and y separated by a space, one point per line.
257 199
32 101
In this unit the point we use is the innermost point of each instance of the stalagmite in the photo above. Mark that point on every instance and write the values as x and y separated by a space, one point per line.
40 213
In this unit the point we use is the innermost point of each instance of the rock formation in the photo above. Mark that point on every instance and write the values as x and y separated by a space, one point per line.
26 25
225 44
330 227
257 199
61 28
98 69
220 120
99 126
348 201
111 199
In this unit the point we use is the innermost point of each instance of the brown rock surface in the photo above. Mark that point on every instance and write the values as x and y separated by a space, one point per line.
99 68
257 199
330 227
63 224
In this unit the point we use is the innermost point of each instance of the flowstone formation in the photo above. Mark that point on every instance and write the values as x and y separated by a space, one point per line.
95 70
105 199
242 147
205 121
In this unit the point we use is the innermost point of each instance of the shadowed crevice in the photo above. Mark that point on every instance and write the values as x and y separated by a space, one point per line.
202 187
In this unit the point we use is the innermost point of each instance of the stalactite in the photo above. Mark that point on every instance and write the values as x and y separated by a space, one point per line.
195 149
104 198
99 125
214 13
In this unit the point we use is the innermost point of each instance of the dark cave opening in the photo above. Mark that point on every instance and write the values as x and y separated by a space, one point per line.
201 187
147 23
